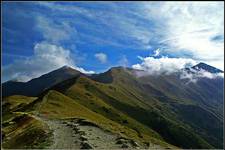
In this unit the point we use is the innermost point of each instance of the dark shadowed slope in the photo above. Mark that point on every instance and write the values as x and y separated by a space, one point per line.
37 85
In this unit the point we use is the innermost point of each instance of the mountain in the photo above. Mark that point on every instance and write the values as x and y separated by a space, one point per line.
207 68
203 97
35 86
150 110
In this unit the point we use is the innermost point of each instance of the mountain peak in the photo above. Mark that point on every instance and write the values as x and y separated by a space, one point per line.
206 67
66 67
37 85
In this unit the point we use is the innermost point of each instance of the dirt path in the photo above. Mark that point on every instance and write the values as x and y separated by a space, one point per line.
99 139
80 134
64 137
69 134
73 135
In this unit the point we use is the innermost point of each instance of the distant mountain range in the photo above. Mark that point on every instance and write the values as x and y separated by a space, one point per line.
14 87
159 108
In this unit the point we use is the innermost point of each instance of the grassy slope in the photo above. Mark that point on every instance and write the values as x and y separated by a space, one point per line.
201 102
22 131
79 93
123 106
88 92
212 133
15 102
58 106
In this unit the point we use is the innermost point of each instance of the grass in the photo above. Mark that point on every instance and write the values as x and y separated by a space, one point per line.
146 110
22 131
93 102
58 106
15 102
126 104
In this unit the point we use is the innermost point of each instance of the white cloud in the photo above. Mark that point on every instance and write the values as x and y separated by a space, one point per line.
189 27
180 29
83 70
101 57
48 54
189 76
54 32
47 57
163 65
176 27
194 75
156 52
127 27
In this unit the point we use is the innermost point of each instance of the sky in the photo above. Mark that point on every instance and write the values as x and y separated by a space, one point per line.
38 37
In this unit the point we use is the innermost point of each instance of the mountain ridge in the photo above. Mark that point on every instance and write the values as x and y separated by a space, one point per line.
152 106
206 67
66 72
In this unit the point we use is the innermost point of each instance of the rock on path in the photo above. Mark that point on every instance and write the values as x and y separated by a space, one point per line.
64 137
80 134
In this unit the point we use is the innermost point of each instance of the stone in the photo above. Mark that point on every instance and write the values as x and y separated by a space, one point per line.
83 138
147 144
86 145
69 124
81 132
76 130
124 146
119 141
134 143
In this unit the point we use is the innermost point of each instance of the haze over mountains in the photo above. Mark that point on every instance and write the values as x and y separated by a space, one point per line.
165 110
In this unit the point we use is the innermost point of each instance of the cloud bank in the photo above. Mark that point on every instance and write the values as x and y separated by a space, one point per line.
194 75
163 65
166 66
47 57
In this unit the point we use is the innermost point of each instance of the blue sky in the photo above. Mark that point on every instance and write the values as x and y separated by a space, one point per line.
93 36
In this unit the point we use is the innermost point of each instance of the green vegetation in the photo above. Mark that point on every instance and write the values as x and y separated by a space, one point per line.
160 110
22 131
16 102
58 106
